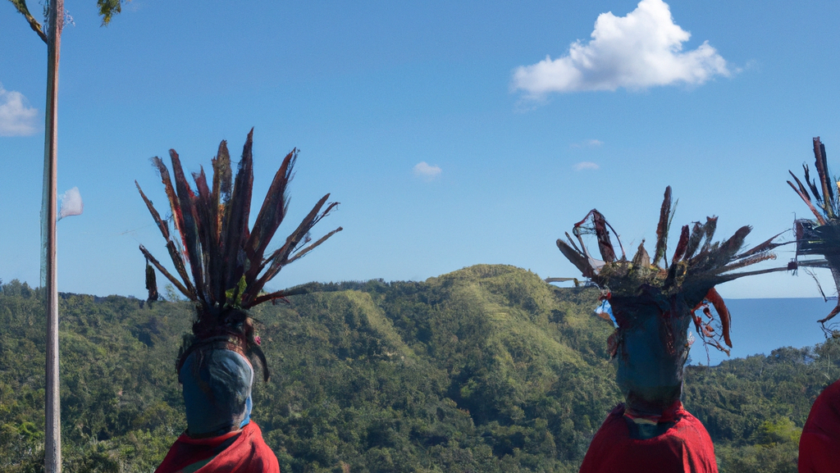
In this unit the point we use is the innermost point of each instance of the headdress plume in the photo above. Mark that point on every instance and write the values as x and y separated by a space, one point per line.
228 266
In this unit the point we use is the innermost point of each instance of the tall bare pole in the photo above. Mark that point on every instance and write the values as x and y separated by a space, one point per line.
52 457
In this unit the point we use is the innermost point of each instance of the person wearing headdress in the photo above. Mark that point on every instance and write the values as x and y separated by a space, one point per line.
819 445
228 267
653 303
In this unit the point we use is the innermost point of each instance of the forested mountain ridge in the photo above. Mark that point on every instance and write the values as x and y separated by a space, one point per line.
486 369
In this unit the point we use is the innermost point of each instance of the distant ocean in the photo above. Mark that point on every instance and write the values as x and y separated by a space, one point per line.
762 325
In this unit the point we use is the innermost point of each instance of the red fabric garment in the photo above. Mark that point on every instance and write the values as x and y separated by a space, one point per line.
684 448
241 452
819 446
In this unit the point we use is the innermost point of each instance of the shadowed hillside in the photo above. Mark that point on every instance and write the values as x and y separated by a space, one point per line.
486 369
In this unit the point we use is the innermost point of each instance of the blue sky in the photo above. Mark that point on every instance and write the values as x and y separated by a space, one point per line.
510 153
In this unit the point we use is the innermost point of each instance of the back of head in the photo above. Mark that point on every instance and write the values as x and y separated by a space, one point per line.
217 391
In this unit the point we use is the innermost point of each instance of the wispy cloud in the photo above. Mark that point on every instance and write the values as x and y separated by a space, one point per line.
586 166
134 6
587 144
71 203
426 172
637 51
16 117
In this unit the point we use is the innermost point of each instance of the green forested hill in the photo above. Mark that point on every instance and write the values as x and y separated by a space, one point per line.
486 369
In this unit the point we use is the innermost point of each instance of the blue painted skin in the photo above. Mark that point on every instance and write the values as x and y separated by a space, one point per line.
249 404
217 392
649 376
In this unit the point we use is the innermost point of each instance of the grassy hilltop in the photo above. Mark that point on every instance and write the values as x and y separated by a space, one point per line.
486 369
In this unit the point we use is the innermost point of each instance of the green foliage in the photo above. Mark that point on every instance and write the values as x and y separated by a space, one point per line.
486 369
109 8
754 408
120 403
465 372
782 430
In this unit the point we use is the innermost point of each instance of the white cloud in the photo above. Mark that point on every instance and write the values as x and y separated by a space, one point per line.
587 144
640 50
16 117
427 172
586 165
71 203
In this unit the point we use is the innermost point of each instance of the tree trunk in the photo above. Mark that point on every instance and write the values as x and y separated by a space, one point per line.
52 457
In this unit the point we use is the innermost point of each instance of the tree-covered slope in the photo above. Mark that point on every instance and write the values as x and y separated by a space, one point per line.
484 369
754 408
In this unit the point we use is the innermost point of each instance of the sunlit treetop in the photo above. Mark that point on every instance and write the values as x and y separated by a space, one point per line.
107 9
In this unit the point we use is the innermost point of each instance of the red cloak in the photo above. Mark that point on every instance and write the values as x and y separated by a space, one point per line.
244 451
684 448
819 446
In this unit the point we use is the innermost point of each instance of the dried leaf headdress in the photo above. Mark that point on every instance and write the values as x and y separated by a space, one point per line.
228 267
697 265
821 236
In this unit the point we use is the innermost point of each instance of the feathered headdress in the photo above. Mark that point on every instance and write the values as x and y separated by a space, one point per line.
697 265
821 236
228 267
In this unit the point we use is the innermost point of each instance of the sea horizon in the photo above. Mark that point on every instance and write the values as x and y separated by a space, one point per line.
761 325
